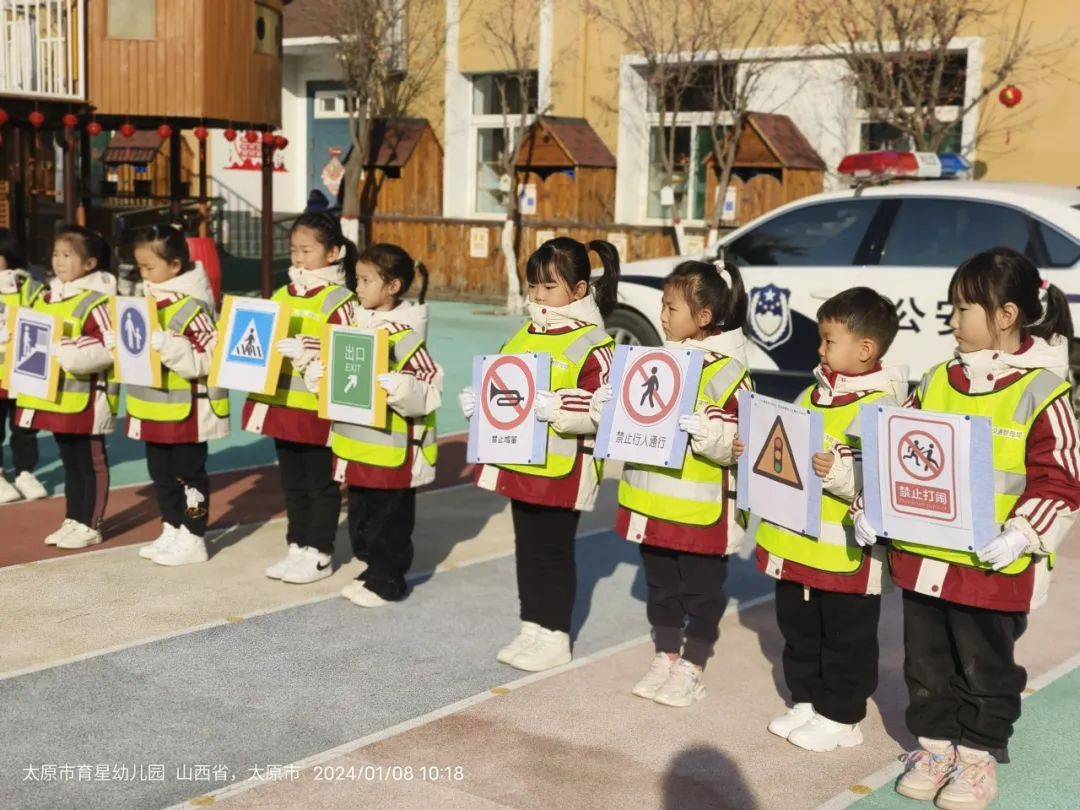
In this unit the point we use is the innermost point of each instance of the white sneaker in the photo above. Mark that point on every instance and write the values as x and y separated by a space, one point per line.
822 735
657 676
682 687
8 493
523 639
30 487
794 717
357 593
549 648
973 784
53 538
281 566
184 549
310 565
927 770
79 536
168 532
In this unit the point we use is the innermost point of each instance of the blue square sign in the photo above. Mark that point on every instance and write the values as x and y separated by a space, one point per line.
32 350
249 341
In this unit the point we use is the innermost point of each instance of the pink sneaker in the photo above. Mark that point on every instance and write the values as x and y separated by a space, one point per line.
928 769
974 782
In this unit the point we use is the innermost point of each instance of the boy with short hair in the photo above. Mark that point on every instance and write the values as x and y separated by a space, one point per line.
828 589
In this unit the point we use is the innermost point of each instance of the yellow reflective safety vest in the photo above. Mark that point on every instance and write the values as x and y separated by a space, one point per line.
1012 411
835 549
173 401
309 314
26 295
569 351
388 447
696 493
74 390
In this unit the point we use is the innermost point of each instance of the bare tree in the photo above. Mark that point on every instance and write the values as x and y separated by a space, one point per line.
387 51
903 59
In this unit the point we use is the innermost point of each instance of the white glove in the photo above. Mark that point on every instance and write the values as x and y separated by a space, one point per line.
467 400
67 355
291 348
600 398
313 373
1005 549
391 382
109 339
547 406
695 424
157 340
865 534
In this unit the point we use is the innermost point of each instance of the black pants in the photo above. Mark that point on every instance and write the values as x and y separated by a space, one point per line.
312 496
175 468
830 648
963 682
546 569
686 598
381 524
24 449
86 477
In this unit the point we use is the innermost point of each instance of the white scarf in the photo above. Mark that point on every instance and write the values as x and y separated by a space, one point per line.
193 283
98 281
405 313
545 318
983 365
726 344
305 280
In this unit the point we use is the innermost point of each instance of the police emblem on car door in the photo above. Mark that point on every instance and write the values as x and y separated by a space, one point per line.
770 316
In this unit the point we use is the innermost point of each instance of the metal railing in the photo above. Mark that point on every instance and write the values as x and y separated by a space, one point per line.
42 48
241 225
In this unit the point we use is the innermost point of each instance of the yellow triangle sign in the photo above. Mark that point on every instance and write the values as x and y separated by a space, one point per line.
775 461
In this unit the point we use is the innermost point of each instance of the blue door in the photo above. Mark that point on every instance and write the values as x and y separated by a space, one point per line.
328 138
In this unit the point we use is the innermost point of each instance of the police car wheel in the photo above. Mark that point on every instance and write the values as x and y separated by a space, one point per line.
627 327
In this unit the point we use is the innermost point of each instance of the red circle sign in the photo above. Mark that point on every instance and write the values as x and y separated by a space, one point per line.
921 455
632 386
494 390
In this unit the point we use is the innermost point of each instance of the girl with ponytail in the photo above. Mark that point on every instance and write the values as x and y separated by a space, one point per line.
566 309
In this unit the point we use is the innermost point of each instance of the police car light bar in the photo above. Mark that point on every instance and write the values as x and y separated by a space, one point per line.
885 164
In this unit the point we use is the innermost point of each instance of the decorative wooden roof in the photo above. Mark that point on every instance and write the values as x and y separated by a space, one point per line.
564 143
786 141
396 140
298 21
140 149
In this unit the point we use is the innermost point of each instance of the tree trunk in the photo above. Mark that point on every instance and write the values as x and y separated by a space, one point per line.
727 165
680 237
514 301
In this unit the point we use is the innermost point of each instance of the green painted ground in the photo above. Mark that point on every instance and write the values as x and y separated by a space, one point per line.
1045 753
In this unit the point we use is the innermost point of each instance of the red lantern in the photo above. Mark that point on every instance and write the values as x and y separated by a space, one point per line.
36 118
71 121
127 130
251 136
280 142
201 133
3 117
165 131
230 134
268 139
93 128
1010 96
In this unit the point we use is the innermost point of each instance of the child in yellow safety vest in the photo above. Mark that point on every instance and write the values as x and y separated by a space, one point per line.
321 280
176 420
383 466
17 289
828 589
565 321
84 409
683 519
964 611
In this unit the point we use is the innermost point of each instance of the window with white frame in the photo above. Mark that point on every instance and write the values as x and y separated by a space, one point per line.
330 103
494 94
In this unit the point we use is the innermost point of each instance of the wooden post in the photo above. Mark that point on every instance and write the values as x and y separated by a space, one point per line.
267 218
175 142
71 181
85 177
204 209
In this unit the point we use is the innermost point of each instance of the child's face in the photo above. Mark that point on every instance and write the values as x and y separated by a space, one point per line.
153 268
68 264
844 352
974 330
308 253
555 292
372 290
3 264
678 319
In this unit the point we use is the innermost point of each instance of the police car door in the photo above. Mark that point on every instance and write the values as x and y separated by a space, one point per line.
791 263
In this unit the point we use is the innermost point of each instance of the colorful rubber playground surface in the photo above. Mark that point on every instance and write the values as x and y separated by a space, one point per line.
128 685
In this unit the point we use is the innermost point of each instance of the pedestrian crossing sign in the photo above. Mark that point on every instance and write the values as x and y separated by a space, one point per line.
245 358
349 390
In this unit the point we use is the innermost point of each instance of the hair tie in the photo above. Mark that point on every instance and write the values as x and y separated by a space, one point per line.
723 272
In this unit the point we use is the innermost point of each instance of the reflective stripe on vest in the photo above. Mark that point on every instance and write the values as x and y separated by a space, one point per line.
309 315
835 549
73 391
388 447
569 351
694 494
173 402
1013 411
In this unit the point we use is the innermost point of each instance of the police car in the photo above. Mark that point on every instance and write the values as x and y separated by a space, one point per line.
904 239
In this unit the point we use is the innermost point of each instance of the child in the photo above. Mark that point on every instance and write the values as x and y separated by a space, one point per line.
383 467
964 611
683 518
319 291
84 409
176 422
566 322
828 590
17 289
